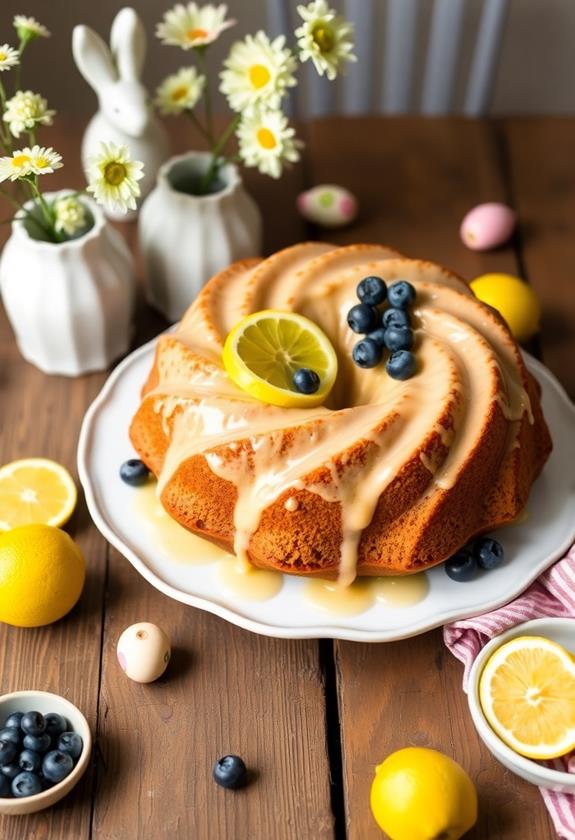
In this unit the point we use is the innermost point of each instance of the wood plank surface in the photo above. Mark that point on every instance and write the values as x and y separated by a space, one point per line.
226 690
415 180
542 176
313 719
40 416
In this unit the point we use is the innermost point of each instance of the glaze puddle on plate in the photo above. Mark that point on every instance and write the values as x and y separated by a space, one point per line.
364 593
530 546
251 584
170 538
247 582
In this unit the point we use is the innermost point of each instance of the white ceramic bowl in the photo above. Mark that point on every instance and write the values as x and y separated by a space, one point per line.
43 701
561 630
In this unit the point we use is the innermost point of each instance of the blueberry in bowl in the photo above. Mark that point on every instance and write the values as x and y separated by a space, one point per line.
45 746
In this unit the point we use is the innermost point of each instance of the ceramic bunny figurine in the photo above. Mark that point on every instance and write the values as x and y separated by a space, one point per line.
125 116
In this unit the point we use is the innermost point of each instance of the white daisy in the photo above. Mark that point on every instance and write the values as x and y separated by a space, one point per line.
113 178
26 110
258 72
9 57
17 166
180 91
69 215
43 161
267 141
29 161
192 25
325 37
29 28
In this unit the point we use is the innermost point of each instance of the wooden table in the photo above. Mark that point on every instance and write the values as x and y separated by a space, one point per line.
312 717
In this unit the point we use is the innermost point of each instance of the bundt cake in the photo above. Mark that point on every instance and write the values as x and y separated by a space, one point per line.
388 477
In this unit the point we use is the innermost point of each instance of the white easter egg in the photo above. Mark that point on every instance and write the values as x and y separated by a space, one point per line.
328 205
143 652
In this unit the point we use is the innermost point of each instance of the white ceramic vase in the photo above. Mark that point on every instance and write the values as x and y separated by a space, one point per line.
70 303
187 238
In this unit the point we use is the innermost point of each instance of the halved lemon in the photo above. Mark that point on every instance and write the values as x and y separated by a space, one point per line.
264 350
527 693
35 491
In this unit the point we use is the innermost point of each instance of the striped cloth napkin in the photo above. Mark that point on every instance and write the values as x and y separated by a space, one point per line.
552 594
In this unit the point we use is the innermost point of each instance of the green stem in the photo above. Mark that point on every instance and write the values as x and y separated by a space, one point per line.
5 136
207 97
44 207
18 73
200 127
216 163
27 213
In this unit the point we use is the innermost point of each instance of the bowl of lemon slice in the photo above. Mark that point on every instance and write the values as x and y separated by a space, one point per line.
522 700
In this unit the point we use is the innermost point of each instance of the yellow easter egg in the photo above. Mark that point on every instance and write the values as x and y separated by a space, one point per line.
515 301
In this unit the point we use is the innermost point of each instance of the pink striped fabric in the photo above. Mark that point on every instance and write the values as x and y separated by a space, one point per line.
552 594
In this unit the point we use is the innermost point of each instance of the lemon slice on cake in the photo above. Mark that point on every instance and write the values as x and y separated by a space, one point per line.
527 693
265 350
35 490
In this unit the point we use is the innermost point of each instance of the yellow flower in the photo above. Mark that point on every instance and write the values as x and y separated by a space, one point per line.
69 215
258 73
267 141
26 110
29 28
113 178
193 26
180 91
37 160
9 57
325 38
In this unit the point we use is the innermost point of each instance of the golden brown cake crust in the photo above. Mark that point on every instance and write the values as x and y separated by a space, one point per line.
416 522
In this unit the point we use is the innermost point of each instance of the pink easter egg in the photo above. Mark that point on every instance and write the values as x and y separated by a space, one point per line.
487 226
348 206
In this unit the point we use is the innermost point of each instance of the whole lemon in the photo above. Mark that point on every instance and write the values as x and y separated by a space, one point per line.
515 301
42 573
422 794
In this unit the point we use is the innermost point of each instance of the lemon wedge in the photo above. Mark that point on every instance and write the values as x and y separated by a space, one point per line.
35 491
527 693
264 350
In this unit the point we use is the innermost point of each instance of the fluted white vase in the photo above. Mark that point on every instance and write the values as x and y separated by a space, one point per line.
186 238
70 303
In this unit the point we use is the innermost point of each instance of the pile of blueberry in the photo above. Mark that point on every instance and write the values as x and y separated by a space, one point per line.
389 330
484 553
36 752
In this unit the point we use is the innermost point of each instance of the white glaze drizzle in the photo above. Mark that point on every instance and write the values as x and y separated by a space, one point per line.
465 362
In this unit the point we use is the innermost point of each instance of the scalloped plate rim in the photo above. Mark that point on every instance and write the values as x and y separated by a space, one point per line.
290 631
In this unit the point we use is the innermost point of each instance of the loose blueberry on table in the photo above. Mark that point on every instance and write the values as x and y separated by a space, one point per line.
134 472
306 381
230 772
36 752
